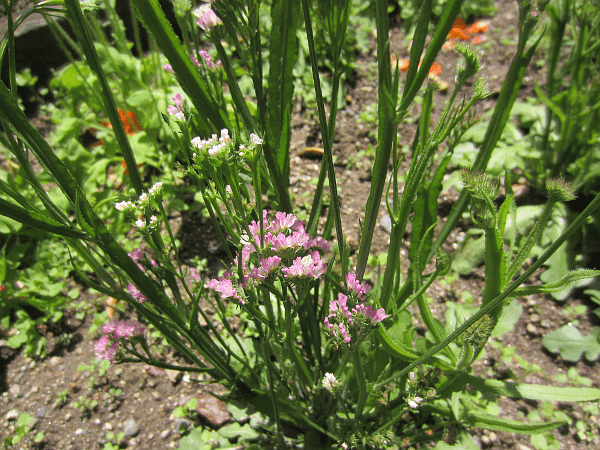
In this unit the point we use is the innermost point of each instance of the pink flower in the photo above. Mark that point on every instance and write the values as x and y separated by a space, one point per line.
177 109
344 333
225 288
168 68
206 57
340 305
135 293
282 223
369 313
136 255
127 329
207 19
105 349
266 267
311 266
287 246
318 244
354 286
108 346
195 275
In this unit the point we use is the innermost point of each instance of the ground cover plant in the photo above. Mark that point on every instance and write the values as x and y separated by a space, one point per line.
327 359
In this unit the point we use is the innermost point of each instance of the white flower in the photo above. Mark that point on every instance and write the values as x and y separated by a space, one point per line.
225 135
124 206
156 189
414 403
330 382
255 139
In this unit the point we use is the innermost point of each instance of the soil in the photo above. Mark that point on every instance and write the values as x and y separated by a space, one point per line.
139 400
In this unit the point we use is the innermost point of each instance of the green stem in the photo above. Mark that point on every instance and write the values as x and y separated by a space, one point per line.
362 386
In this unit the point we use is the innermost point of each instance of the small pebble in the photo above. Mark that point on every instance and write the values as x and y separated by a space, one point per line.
79 431
108 426
165 434
131 428
54 361
68 417
13 414
386 223
41 412
15 390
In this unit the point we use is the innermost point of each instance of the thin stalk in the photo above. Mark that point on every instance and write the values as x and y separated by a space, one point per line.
326 136
10 32
387 129
362 385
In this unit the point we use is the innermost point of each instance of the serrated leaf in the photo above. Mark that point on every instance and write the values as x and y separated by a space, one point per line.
572 344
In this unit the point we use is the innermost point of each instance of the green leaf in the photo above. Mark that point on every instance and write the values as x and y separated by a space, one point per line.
509 318
560 285
572 344
510 426
465 442
24 419
392 341
196 440
533 391
239 431
471 254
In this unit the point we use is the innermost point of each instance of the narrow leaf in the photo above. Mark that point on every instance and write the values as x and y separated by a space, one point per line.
533 391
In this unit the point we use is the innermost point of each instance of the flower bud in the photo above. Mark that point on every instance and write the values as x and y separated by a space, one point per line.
560 190
471 66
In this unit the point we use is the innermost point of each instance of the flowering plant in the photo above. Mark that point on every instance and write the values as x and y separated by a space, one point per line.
317 348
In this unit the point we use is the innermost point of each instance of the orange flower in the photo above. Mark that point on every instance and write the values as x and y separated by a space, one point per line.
459 30
130 122
448 45
478 27
435 69
125 169
478 40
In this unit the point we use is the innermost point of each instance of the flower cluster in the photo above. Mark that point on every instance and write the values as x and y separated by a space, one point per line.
284 250
461 32
177 109
251 150
139 207
206 17
116 332
144 263
330 382
206 60
348 317
215 148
